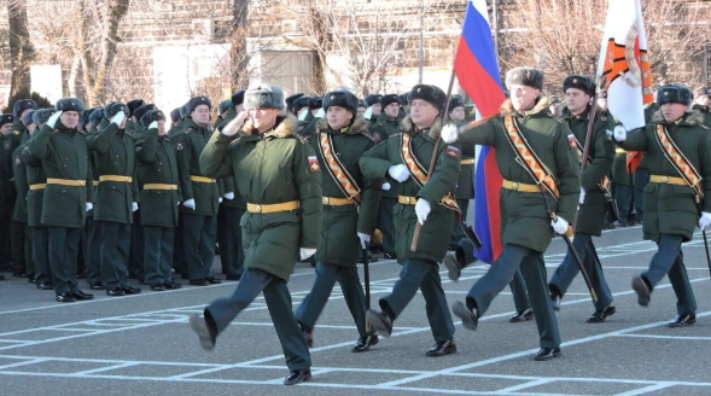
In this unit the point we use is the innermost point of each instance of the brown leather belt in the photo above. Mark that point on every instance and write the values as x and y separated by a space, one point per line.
402 199
522 187
273 208
336 201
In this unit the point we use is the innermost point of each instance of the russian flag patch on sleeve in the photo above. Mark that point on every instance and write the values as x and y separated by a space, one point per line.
571 140
313 164
452 151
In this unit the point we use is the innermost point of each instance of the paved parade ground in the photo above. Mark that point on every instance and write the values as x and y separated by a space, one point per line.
142 345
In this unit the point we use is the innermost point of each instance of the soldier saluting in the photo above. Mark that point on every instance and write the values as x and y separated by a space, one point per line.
676 147
350 206
595 184
533 153
65 159
281 180
426 199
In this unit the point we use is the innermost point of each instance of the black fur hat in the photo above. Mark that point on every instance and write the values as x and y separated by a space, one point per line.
22 105
133 105
373 99
6 119
300 103
238 98
674 93
114 108
41 116
583 83
150 116
291 101
341 98
96 116
70 104
388 99
224 105
455 102
27 118
429 93
403 99
175 115
264 96
141 111
315 103
197 101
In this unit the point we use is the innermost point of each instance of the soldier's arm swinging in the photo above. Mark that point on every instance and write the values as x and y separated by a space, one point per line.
370 203
444 178
308 182
375 163
567 165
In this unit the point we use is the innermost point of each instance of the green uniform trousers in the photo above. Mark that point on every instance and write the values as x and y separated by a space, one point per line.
221 312
40 255
93 251
63 252
199 234
115 243
533 270
229 236
326 277
136 256
158 251
385 223
669 260
421 274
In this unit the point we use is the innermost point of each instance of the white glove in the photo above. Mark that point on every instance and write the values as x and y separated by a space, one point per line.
364 239
230 196
154 125
450 133
399 172
89 206
134 206
422 210
53 119
190 203
118 118
178 203
386 186
704 220
620 133
306 253
219 199
235 125
581 200
560 227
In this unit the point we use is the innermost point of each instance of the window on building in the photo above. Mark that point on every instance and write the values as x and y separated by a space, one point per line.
290 70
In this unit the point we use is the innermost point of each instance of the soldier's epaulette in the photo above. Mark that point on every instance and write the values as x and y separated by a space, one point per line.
187 131
558 118
83 132
394 135
16 132
372 137
235 142
301 138
603 118
704 126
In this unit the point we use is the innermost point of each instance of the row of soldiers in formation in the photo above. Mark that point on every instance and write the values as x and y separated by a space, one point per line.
316 187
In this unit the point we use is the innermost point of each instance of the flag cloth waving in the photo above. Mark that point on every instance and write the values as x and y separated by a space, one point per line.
625 64
478 74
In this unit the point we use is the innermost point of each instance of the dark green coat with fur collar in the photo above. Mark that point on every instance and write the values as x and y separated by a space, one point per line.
271 168
672 209
339 243
524 216
435 234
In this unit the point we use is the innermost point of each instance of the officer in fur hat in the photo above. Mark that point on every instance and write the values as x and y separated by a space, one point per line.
350 205
37 182
201 195
21 233
280 178
291 100
373 102
525 123
592 213
424 199
66 196
117 197
674 203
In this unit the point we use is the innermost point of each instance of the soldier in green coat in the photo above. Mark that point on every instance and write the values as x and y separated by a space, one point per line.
201 196
9 141
624 188
428 199
157 172
232 208
281 180
116 198
92 230
702 100
37 182
593 207
465 183
22 238
674 195
526 226
350 205
387 124
64 153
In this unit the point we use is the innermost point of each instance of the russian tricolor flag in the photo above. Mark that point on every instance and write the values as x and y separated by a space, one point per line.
478 74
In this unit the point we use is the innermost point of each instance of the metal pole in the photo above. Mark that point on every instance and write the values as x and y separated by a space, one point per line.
422 38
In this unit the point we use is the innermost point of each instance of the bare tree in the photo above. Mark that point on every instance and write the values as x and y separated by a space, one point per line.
563 36
21 49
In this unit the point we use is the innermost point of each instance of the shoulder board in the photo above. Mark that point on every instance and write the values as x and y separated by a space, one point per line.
394 135
301 138
557 118
372 137
235 142
704 126
603 118
187 131
166 139
16 132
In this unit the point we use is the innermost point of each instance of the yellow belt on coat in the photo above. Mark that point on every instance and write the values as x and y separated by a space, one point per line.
677 181
336 201
405 200
160 186
66 182
116 178
467 161
201 179
522 187
38 186
273 208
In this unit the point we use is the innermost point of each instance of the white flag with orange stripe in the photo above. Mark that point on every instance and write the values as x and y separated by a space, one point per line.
624 63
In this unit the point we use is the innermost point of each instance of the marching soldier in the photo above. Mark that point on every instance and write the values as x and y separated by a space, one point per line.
37 181
525 129
426 199
702 100
281 180
465 183
624 188
157 171
676 147
200 194
387 124
117 197
64 153
592 214
349 210
8 143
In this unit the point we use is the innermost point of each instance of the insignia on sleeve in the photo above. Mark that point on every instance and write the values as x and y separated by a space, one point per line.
571 140
608 133
18 160
139 148
179 146
313 164
452 152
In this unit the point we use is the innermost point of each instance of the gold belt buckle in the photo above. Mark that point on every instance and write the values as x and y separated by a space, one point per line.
409 200
326 201
257 208
665 179
515 186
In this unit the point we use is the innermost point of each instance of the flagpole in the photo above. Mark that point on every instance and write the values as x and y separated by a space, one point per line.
433 161
588 138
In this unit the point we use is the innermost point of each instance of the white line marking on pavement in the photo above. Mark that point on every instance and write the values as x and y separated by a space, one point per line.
646 389
526 385
663 337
